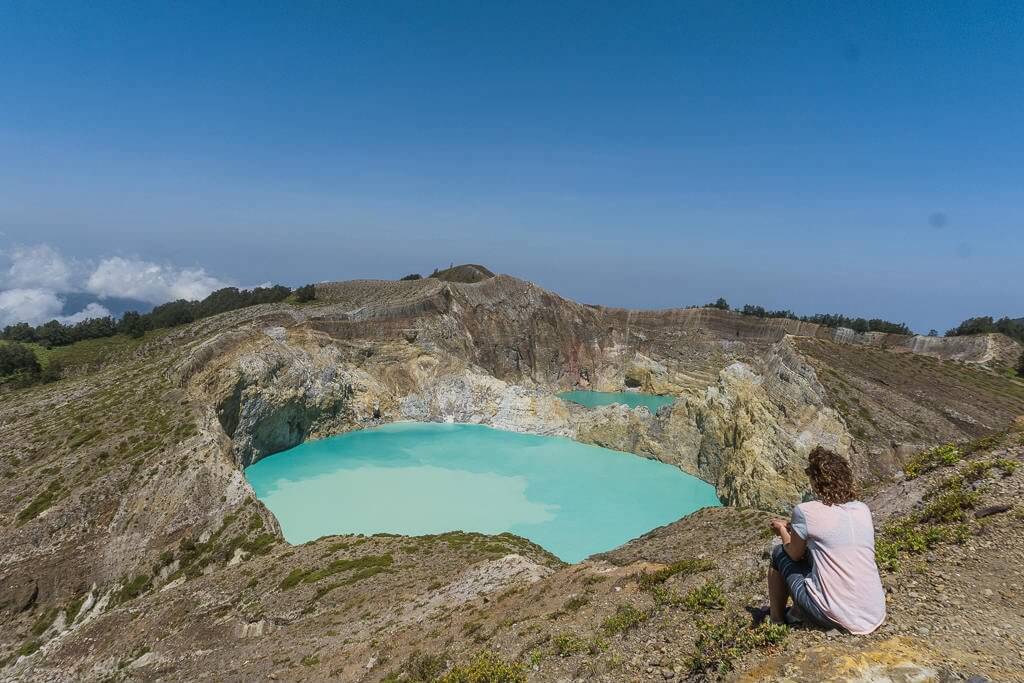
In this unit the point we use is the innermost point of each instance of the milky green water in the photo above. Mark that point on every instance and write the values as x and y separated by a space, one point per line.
419 478
592 399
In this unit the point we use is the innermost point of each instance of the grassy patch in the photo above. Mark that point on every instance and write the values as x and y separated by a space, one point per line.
486 667
943 516
649 580
705 597
133 589
421 667
625 618
932 459
72 610
361 568
575 603
568 644
44 621
41 502
718 646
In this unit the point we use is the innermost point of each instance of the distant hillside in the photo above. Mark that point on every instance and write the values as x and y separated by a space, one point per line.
118 306
469 272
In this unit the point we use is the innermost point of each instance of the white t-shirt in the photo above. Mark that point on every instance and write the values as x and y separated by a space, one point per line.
844 581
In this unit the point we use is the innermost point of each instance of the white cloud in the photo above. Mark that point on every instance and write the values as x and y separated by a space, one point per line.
37 306
152 282
38 275
38 267
32 306
93 310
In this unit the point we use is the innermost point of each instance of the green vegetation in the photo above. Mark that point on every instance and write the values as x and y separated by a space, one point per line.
568 644
576 602
718 646
829 320
18 359
310 660
305 293
42 501
412 276
133 589
361 568
486 667
648 580
72 610
986 325
420 667
1020 365
943 516
931 459
625 617
705 597
44 621
134 324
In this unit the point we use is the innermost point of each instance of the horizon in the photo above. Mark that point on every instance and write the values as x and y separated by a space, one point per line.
863 161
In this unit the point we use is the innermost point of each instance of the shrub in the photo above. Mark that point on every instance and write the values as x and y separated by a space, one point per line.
567 644
413 276
486 667
424 667
1020 365
305 293
17 359
625 618
648 580
931 459
718 646
708 596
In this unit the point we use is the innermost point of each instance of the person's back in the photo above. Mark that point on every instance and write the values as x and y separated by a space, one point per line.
844 580
826 562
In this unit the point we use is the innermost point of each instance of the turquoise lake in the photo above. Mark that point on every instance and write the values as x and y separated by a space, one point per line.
425 478
592 399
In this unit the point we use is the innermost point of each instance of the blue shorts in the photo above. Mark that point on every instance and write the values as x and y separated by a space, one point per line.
794 573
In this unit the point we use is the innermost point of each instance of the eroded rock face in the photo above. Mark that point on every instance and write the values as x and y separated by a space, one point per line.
748 433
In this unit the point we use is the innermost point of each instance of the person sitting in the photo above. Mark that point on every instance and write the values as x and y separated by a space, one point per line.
826 561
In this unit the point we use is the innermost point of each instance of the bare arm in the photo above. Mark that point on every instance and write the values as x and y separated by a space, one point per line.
794 546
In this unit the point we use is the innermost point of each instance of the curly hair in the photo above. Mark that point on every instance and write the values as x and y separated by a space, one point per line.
831 477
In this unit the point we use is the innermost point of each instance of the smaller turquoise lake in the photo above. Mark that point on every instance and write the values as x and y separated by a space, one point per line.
426 478
592 399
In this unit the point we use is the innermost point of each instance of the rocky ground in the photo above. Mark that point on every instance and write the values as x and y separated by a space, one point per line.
133 548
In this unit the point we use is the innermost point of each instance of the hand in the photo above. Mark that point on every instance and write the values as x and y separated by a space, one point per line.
778 526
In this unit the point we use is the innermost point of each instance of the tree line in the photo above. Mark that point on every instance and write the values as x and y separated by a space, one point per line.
825 319
135 324
987 325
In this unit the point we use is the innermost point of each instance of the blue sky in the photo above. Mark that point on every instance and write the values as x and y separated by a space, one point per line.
854 157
